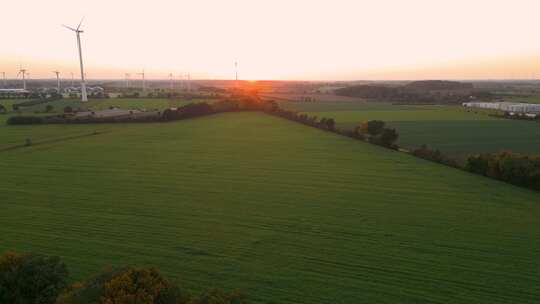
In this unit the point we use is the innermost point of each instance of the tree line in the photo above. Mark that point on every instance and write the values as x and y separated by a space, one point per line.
514 168
39 279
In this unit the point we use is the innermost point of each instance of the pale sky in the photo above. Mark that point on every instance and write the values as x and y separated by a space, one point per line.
275 39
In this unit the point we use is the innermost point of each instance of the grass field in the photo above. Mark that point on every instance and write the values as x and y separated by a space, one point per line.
455 131
102 104
291 214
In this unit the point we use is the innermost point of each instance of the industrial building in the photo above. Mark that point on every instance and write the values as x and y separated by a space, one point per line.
510 107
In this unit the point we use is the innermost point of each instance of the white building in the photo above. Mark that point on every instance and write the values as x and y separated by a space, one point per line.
515 107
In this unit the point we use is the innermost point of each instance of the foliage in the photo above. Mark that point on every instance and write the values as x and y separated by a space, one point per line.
24 120
142 286
376 133
521 170
31 278
434 155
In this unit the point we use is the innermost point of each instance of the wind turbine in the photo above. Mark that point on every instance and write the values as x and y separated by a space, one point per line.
4 78
23 73
143 81
171 79
78 34
57 80
127 80
236 70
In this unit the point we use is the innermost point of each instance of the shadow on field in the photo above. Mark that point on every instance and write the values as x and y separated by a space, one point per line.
29 143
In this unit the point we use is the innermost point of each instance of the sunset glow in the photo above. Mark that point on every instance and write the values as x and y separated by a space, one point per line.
301 39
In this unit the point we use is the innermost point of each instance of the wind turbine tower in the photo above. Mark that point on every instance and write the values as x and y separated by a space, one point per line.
143 80
236 70
4 79
23 73
78 32
171 80
57 80
127 80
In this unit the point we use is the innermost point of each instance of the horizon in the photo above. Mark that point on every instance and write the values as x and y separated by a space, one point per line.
484 40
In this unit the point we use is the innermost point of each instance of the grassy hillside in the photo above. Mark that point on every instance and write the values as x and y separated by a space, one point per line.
452 129
289 213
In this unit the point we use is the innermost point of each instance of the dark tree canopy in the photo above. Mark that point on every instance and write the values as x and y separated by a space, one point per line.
31 278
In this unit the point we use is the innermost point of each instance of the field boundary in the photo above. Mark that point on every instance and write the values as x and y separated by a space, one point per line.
49 141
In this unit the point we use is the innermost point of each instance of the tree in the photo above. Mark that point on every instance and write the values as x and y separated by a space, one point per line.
388 137
68 109
330 124
31 278
138 285
2 109
126 286
49 108
375 127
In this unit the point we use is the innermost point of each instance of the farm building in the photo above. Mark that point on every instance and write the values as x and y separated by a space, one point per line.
514 107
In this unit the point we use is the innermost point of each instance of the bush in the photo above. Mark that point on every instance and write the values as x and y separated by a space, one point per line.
517 169
142 286
24 120
434 155
30 278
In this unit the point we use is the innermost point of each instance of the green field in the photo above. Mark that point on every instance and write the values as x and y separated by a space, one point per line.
289 213
102 104
451 129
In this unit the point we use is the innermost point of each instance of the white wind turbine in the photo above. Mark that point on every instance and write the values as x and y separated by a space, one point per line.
4 78
127 80
23 73
57 80
143 80
83 83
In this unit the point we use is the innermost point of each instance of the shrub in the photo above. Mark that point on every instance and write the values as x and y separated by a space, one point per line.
518 169
434 155
24 120
31 278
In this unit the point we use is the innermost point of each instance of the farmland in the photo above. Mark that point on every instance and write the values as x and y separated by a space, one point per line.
288 213
452 129
102 104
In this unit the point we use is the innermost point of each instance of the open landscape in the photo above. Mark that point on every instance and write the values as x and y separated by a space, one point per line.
283 152
288 213
456 131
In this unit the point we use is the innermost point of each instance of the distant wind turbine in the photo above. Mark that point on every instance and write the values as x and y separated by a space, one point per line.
83 83
4 79
236 70
143 80
171 79
127 80
23 73
57 80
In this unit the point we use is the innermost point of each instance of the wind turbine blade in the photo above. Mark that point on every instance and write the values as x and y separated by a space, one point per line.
82 19
69 27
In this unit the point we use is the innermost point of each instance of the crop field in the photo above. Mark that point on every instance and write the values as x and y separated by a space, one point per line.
102 104
288 213
452 129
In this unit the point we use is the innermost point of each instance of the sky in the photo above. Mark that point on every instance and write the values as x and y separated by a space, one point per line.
275 39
